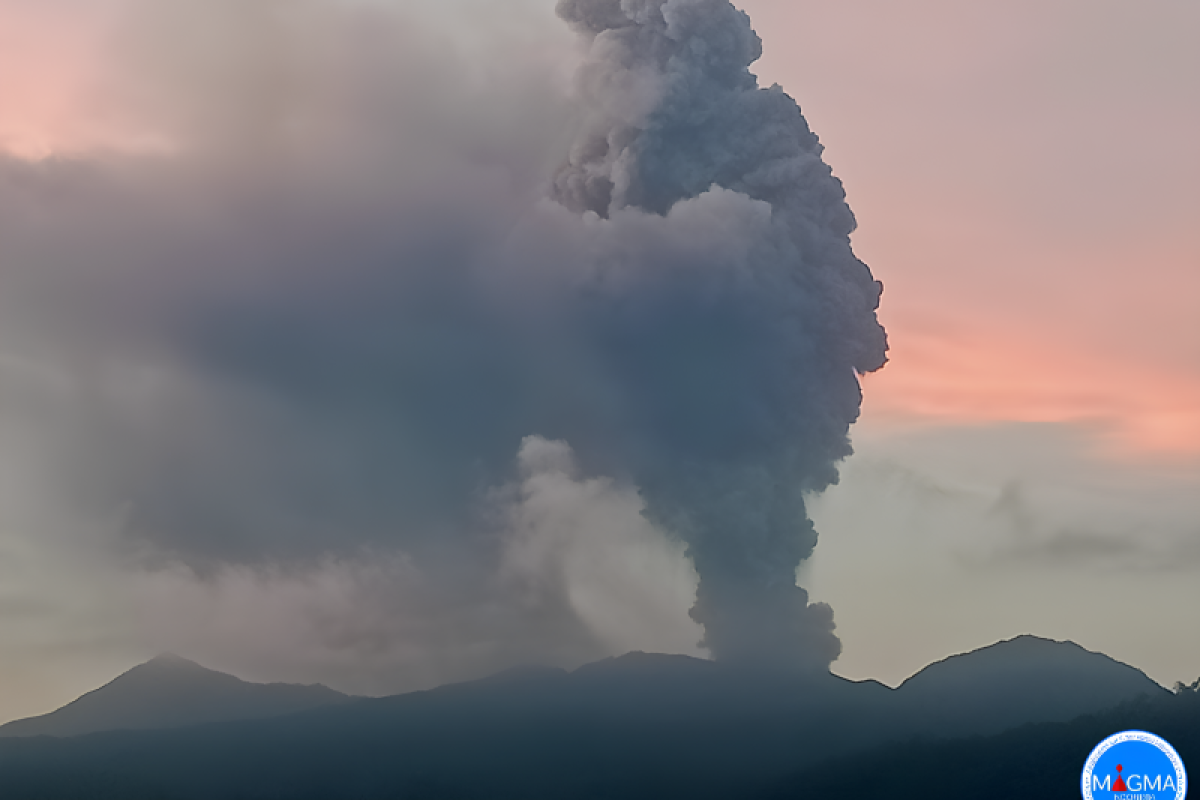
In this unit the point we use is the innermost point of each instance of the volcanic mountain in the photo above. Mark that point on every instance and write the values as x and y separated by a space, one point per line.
1014 682
172 692
639 726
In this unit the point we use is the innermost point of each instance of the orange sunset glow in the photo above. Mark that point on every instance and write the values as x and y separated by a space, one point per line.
1040 256
48 56
970 380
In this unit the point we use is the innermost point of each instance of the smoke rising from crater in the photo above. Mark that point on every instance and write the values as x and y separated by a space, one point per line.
761 413
328 319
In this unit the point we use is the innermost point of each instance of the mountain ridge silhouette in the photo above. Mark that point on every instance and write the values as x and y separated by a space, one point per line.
640 725
169 691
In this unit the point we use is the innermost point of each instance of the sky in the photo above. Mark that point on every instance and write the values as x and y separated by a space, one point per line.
1026 192
202 206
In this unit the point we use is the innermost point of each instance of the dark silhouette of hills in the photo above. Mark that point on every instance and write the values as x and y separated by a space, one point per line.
1021 680
638 726
172 692
1034 762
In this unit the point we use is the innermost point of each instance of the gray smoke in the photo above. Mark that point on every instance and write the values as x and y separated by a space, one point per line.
760 412
328 322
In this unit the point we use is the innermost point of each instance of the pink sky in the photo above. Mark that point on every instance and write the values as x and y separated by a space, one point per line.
1025 176
49 61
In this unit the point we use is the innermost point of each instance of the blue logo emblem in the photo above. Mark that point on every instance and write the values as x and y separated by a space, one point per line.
1134 765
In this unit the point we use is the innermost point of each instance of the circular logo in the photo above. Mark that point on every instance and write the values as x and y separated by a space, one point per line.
1134 765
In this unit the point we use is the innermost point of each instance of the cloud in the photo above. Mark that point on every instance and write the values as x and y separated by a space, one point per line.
1129 540
756 408
200 344
579 574
281 369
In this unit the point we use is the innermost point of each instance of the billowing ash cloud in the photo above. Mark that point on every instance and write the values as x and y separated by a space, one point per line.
749 371
355 301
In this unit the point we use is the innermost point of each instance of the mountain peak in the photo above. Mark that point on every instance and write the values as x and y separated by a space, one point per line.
1024 679
170 691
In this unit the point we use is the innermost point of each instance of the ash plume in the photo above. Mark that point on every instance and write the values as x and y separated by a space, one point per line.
380 352
761 414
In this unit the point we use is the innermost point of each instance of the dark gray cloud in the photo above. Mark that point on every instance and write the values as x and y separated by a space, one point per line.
749 384
325 323
1031 536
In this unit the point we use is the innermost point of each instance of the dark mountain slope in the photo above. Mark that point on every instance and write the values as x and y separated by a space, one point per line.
171 692
639 726
1021 680
1033 762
